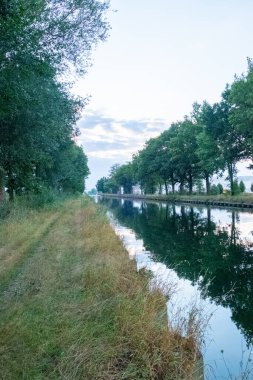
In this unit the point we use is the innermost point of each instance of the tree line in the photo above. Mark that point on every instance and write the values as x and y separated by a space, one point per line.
41 43
211 140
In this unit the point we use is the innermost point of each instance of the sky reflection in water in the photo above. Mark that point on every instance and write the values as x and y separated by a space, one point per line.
208 253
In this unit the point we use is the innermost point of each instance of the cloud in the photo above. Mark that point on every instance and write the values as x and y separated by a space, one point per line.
108 140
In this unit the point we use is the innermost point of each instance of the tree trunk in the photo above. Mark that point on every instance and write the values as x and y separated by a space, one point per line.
2 194
231 177
173 184
10 185
233 229
167 212
192 220
11 193
2 189
181 186
190 182
166 187
207 183
208 220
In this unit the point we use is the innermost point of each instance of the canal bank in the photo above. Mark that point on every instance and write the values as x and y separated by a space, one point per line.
243 201
73 305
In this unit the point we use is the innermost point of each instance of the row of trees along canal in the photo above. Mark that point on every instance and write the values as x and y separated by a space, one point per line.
213 139
41 42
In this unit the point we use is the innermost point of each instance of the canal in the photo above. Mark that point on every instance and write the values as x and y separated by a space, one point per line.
208 254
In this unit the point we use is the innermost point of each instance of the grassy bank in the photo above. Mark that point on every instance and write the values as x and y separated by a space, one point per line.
73 306
241 200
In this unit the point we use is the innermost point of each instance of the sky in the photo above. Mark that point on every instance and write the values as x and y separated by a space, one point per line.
161 57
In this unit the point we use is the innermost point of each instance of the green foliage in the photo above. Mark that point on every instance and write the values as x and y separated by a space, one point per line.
124 176
220 188
62 32
68 170
251 187
212 140
38 198
199 186
241 115
120 176
38 41
214 190
5 210
2 177
242 187
101 185
192 245
236 188
92 192
107 185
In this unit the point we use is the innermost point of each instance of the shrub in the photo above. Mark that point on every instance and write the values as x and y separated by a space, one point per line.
214 190
242 187
5 209
39 198
220 188
200 187
251 187
236 188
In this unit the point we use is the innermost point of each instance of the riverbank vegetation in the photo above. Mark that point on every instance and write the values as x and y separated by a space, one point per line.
211 141
74 306
41 44
239 200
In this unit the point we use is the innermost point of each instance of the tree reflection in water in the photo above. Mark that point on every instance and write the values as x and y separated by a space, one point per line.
213 256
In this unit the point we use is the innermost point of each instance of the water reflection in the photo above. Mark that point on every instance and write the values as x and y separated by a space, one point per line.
210 247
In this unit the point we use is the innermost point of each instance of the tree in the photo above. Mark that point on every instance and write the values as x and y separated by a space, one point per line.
241 99
163 159
231 144
183 149
145 172
124 177
69 169
37 117
39 41
242 187
59 31
207 151
220 188
101 185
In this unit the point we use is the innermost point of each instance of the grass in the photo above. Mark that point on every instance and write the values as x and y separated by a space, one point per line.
72 305
241 198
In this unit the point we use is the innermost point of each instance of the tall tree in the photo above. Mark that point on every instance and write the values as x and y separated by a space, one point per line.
36 116
210 160
241 113
183 149
61 31
39 40
124 177
231 144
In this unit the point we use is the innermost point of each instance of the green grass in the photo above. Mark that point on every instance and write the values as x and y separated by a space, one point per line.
72 305
241 198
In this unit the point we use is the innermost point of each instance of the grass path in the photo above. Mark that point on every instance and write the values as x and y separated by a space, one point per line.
73 307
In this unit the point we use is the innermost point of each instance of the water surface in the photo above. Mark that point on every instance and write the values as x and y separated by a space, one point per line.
208 252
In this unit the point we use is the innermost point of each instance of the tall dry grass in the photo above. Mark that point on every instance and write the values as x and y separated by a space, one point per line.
74 307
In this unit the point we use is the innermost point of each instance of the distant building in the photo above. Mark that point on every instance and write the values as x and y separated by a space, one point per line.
136 189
